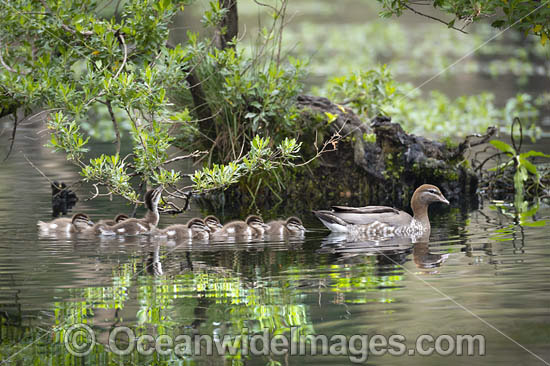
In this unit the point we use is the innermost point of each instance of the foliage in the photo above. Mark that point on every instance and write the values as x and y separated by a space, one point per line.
374 92
261 157
249 93
78 64
525 16
514 172
524 170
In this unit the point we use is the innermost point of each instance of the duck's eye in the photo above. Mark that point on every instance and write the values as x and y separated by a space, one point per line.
433 191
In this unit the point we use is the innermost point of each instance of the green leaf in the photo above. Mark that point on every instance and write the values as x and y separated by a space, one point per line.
534 153
503 146
528 165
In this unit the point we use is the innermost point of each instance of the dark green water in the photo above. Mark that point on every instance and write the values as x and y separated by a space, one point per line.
479 274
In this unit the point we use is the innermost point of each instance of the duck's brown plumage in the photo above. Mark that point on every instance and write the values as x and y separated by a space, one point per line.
377 219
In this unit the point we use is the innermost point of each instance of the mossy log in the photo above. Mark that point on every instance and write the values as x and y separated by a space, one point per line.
374 163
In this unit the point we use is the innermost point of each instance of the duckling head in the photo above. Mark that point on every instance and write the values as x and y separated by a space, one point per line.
257 223
213 222
82 221
120 218
152 198
295 226
198 225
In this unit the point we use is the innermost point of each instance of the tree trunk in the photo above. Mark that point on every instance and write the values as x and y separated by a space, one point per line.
229 26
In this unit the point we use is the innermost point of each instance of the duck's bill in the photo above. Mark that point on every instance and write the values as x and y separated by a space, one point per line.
444 200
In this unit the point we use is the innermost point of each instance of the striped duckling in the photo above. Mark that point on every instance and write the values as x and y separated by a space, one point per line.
213 223
79 222
194 229
118 218
290 227
252 227
133 226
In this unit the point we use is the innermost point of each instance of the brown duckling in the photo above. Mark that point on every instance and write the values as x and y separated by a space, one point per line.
382 220
213 223
133 226
79 221
290 227
118 218
252 227
194 229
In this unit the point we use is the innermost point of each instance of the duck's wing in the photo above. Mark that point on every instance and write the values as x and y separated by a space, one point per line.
366 209
341 216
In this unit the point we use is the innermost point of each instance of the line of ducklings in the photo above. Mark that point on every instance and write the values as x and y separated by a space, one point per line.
196 228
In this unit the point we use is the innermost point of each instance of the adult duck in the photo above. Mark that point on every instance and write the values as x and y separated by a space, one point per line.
382 220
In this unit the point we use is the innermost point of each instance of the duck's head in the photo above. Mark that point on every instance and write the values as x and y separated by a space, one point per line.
197 224
82 221
120 218
426 194
257 223
212 222
294 225
152 198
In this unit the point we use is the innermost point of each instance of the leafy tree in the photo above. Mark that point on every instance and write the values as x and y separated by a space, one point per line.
72 62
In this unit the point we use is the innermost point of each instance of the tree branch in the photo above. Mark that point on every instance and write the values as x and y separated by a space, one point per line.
13 131
115 125
433 18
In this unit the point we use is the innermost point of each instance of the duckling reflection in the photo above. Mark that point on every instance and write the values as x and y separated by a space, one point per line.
153 266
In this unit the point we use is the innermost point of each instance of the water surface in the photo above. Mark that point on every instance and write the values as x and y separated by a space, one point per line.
479 274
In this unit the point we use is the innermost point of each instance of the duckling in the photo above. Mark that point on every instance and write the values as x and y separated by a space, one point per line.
213 223
194 229
290 227
118 218
252 227
79 221
134 226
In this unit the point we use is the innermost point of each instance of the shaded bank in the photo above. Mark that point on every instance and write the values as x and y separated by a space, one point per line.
373 162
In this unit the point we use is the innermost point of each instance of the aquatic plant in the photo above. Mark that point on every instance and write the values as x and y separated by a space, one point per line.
514 171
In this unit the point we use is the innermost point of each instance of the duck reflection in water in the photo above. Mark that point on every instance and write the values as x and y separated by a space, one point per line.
389 251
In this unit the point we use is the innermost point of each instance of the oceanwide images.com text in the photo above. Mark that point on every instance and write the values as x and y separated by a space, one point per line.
80 340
